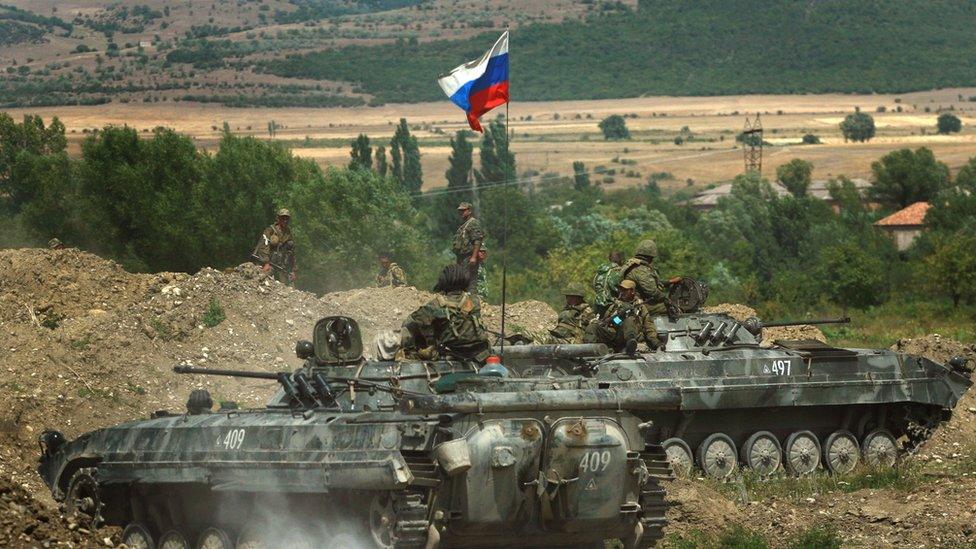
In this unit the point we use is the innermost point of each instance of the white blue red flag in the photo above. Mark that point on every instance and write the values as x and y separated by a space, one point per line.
480 85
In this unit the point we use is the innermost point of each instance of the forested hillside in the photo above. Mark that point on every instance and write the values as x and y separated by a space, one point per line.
707 47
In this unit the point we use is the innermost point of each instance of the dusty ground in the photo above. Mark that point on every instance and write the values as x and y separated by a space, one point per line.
86 344
549 136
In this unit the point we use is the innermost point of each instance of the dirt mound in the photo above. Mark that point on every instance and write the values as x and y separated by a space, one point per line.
25 522
742 312
935 347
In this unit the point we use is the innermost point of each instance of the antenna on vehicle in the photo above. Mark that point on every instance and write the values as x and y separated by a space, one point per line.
508 147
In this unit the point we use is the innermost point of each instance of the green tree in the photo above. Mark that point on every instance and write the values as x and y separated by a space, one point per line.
951 267
497 161
459 173
851 275
361 154
811 139
614 127
858 127
948 123
903 177
381 167
955 207
406 159
581 179
795 175
441 208
20 142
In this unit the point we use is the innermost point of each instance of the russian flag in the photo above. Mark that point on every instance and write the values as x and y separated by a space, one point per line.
480 85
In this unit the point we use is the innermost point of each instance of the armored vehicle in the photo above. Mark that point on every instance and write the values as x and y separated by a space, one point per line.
357 453
792 405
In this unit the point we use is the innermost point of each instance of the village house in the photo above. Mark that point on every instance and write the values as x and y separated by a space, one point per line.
904 226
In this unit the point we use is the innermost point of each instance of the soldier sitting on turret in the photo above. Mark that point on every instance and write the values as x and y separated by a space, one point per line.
641 270
626 322
450 324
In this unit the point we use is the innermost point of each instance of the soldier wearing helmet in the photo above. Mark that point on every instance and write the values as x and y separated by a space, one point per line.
276 249
574 318
627 322
641 270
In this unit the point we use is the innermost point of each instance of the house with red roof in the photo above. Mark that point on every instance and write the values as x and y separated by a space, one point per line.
905 225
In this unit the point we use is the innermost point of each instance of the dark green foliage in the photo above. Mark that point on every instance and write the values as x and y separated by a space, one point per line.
709 47
903 177
614 127
581 179
858 127
954 208
12 32
497 161
214 314
795 175
853 276
313 10
950 269
441 207
948 123
361 153
21 145
16 14
811 139
405 152
381 167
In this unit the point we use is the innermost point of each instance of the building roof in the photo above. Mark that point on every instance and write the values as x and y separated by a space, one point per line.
820 188
709 197
913 215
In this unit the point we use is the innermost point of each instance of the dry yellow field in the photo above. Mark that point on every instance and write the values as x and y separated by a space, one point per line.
549 136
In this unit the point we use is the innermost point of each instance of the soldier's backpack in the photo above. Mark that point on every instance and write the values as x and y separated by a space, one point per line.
605 283
463 334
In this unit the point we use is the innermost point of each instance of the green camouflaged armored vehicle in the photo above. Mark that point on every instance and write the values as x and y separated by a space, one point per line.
358 453
795 405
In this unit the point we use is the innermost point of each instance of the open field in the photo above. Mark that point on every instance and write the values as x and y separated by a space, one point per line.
549 136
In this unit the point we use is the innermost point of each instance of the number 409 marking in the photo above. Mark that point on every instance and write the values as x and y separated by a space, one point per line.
595 461
233 440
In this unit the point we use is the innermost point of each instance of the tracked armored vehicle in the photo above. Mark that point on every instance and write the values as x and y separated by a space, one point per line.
347 455
796 406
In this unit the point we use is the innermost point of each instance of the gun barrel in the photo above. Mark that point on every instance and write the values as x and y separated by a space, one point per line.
228 373
568 351
842 320
535 401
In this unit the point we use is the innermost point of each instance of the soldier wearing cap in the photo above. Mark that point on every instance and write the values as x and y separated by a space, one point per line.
641 270
626 322
390 273
574 318
276 249
467 241
55 244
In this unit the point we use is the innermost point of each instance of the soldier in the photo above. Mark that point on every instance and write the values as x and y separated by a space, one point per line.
481 287
626 322
450 324
574 318
642 271
390 273
55 244
606 279
467 241
276 249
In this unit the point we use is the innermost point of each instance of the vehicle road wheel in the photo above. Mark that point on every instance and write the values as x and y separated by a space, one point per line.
679 455
252 537
716 456
841 452
137 536
382 520
762 453
214 538
879 449
173 539
803 453
83 499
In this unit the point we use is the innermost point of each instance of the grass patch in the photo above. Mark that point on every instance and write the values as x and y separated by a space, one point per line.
817 537
735 537
81 344
162 330
214 314
906 477
132 387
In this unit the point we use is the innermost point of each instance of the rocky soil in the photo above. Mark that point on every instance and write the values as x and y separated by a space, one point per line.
85 344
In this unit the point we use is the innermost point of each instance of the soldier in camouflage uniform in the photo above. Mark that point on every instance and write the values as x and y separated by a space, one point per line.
605 281
450 324
626 322
276 249
467 242
641 270
390 273
573 319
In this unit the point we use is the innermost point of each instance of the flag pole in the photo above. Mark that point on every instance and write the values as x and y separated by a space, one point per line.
508 142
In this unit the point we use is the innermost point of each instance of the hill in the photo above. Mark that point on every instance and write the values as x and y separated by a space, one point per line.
353 52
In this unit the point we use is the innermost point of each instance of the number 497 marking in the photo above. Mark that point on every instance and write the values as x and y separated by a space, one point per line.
233 440
778 368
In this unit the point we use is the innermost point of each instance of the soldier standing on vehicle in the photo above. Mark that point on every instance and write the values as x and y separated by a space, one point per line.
605 281
390 273
467 242
450 324
626 322
641 270
574 318
276 249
